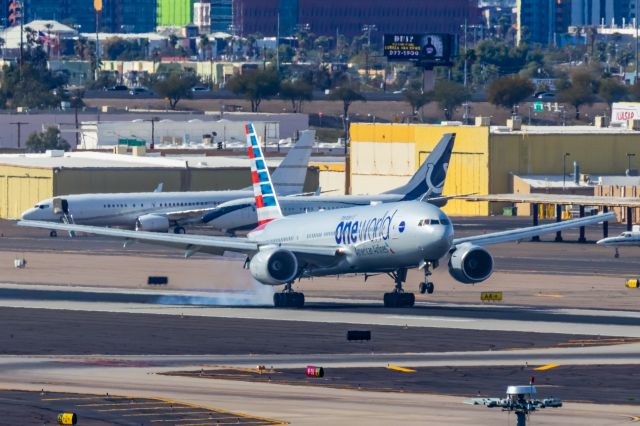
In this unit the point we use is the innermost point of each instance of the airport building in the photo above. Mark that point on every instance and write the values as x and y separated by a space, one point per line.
26 179
485 158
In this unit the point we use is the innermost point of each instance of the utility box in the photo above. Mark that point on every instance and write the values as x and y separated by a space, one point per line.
633 283
483 121
601 121
514 123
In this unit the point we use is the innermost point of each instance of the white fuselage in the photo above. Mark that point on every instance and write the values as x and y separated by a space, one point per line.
241 214
122 209
374 238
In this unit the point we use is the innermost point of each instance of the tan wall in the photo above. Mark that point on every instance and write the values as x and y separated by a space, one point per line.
21 188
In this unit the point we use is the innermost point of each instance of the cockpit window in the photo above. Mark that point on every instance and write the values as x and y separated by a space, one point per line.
43 206
426 222
627 235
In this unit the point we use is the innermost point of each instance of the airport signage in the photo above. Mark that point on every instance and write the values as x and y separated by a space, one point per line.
621 112
426 49
491 296
538 106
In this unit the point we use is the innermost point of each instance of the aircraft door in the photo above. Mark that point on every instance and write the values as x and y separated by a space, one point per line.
60 206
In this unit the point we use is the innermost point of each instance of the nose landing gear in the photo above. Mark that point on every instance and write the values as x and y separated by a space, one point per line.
427 286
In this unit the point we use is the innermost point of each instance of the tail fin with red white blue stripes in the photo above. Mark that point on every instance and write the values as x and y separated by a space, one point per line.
267 206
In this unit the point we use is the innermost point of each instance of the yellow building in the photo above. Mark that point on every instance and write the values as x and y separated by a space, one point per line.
384 156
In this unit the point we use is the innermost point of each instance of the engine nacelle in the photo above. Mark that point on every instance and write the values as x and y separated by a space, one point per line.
152 223
274 267
470 264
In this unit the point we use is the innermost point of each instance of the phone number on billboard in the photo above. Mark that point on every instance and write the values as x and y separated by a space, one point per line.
403 52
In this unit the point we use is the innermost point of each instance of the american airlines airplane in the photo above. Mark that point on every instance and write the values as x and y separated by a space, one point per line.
384 238
427 184
161 211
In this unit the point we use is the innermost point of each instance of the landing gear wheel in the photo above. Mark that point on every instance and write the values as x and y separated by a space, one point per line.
399 300
616 254
179 230
426 288
288 300
53 234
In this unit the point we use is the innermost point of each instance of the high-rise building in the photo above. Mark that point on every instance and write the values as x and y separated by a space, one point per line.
133 16
326 17
601 12
175 13
536 21
221 15
202 16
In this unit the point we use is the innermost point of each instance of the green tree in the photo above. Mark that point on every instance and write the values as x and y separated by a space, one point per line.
33 85
579 90
116 48
449 95
347 93
255 86
175 87
509 91
49 139
611 90
417 99
296 92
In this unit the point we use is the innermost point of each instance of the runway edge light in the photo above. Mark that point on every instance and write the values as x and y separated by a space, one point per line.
67 419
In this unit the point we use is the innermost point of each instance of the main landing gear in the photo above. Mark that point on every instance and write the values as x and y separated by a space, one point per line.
179 230
617 253
288 298
53 233
398 298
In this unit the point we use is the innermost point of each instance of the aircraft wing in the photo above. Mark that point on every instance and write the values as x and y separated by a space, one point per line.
190 243
532 231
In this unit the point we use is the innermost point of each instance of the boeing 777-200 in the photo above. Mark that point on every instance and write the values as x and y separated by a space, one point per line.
385 238
161 211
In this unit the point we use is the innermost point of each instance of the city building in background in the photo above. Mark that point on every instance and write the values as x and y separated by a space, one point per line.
543 21
328 17
202 16
221 15
601 12
175 13
117 16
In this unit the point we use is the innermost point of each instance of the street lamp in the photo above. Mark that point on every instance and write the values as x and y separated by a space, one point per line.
629 155
564 169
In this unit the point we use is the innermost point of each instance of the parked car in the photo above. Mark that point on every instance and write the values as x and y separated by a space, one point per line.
117 88
546 96
199 89
138 91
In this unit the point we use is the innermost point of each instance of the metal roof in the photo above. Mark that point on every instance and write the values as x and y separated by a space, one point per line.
557 199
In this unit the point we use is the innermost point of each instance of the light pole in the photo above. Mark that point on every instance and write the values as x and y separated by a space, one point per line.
629 155
564 169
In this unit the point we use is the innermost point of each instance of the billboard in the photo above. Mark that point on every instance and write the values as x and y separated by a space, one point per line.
426 49
623 111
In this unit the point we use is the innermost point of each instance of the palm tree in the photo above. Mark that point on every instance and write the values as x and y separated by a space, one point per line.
204 43
2 43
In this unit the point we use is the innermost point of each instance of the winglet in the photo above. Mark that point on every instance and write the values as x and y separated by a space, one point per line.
267 205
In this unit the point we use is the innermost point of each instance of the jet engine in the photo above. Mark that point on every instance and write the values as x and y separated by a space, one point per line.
470 264
152 223
274 267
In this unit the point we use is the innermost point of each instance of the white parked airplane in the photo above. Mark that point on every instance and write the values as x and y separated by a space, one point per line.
160 211
626 239
427 183
385 238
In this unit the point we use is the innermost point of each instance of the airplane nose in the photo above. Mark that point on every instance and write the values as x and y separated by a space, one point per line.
28 214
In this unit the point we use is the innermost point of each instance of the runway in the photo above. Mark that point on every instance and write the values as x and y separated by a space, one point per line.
80 318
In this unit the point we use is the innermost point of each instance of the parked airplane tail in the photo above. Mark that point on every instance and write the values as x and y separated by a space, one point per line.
267 206
428 181
289 177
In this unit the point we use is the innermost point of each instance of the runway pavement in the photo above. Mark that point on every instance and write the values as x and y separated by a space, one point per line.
80 318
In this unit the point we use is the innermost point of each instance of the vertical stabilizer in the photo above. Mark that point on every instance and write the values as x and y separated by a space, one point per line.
267 206
428 181
289 177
